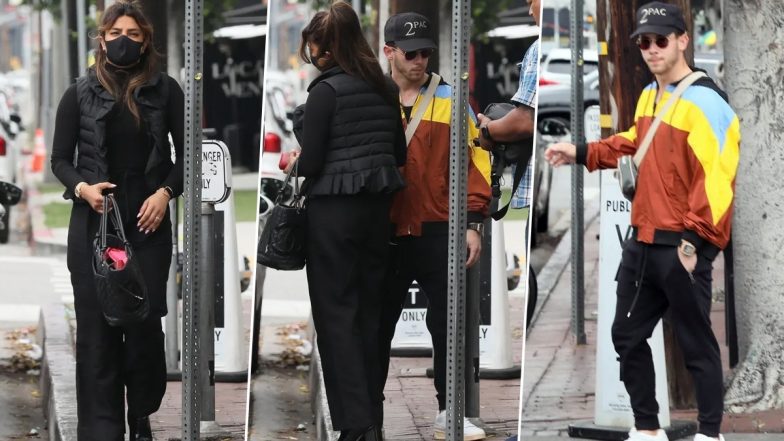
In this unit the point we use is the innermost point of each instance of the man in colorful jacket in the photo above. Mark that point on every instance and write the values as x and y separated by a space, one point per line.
420 212
681 214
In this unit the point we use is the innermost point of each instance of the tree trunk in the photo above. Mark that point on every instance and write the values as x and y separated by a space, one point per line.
754 55
623 76
155 10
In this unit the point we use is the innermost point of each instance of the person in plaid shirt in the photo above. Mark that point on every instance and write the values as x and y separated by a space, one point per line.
519 123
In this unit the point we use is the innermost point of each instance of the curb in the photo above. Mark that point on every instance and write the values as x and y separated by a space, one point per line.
548 277
58 374
318 399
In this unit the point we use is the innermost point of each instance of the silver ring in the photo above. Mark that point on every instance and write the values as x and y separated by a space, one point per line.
157 218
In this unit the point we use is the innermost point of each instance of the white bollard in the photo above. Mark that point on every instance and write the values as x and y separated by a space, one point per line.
495 340
231 357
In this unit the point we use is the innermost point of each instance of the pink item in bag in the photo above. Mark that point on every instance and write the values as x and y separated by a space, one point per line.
116 257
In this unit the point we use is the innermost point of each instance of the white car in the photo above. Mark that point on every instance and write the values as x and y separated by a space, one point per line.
557 66
10 127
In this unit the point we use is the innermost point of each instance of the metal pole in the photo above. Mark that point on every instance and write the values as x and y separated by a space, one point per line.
192 346
458 177
81 51
207 323
578 138
472 343
172 298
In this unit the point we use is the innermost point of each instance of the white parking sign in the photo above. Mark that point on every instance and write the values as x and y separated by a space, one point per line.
593 129
215 171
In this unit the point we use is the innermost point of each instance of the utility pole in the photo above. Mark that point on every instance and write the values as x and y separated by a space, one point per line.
156 12
618 99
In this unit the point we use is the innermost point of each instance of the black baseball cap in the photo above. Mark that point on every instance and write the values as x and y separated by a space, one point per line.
409 31
659 18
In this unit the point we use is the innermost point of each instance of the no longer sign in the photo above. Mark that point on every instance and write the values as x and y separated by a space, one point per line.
215 171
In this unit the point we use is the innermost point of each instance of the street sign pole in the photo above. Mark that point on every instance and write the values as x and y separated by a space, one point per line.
207 323
458 177
578 138
192 346
472 344
215 188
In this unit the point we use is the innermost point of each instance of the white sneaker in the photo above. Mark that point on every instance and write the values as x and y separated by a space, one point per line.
470 432
634 435
701 437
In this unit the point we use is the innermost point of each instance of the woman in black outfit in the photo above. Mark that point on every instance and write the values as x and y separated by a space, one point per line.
352 146
111 134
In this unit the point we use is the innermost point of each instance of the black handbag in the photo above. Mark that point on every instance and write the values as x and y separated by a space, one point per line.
282 242
119 282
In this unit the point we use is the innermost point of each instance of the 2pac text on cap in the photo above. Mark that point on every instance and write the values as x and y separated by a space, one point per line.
652 11
413 26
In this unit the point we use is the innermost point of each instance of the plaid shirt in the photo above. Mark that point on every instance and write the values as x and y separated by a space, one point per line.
526 95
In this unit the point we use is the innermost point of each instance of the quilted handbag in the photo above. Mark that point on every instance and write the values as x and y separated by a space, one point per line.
119 282
282 242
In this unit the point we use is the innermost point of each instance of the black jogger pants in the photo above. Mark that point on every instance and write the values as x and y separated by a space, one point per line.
665 283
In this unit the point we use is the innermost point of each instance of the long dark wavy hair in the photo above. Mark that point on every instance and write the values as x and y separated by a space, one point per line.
338 31
149 64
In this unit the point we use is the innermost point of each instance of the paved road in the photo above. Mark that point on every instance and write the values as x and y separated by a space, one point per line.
26 282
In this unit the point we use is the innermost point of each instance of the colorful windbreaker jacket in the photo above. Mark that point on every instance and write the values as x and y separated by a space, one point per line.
425 199
686 181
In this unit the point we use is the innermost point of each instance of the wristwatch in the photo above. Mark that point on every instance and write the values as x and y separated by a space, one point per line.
78 189
478 227
687 249
486 133
168 191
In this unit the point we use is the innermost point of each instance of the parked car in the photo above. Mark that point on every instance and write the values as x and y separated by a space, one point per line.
277 140
10 127
557 66
553 125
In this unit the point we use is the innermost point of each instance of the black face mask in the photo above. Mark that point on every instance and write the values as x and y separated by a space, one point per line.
122 51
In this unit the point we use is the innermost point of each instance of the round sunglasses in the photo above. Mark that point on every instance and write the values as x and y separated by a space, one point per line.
411 55
645 42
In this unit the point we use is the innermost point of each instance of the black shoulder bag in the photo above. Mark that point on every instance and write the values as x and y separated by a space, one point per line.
282 242
119 282
518 153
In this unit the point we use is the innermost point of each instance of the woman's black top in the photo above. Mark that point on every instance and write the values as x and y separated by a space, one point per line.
352 140
128 147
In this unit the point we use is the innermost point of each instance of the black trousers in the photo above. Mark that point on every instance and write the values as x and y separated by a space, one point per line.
347 258
115 364
424 259
665 284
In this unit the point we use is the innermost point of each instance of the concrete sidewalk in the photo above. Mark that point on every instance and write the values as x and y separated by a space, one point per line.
277 395
559 384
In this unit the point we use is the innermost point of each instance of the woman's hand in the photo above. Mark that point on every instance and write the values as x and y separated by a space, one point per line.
93 194
153 209
288 160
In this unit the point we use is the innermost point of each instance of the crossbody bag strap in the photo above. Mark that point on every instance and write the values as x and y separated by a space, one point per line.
102 228
435 79
114 212
293 173
676 94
